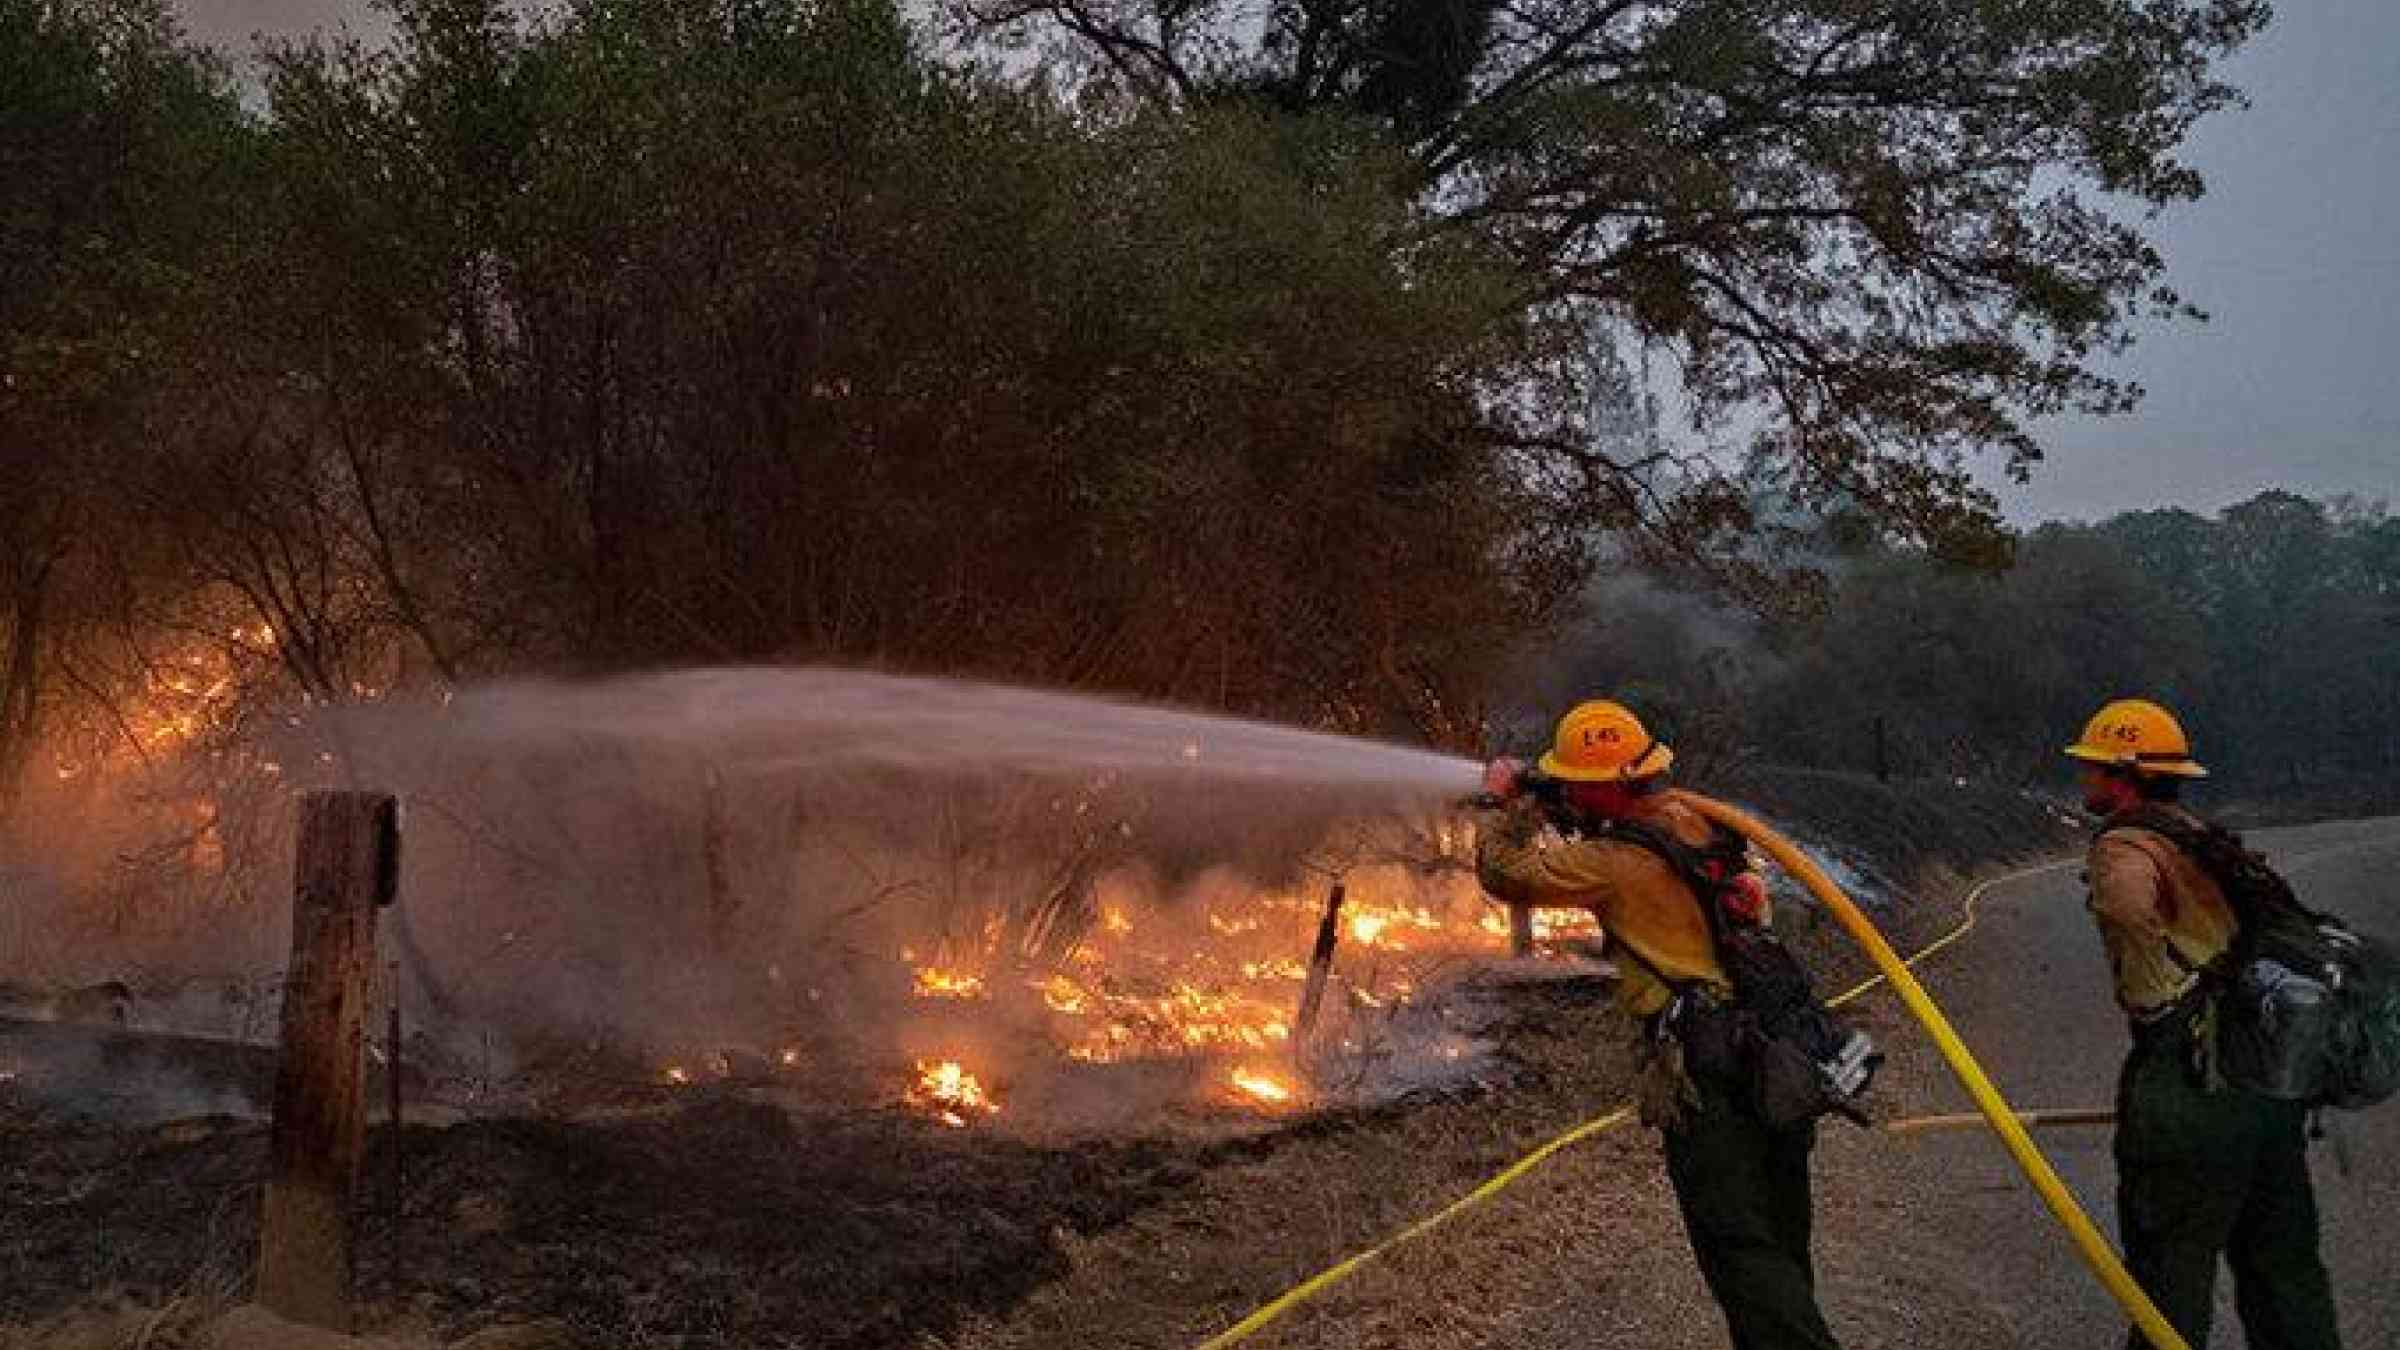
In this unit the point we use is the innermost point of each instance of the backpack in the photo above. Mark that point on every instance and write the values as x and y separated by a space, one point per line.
2306 1008
1794 1060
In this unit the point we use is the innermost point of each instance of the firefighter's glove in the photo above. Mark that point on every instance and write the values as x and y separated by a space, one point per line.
1664 1095
1504 778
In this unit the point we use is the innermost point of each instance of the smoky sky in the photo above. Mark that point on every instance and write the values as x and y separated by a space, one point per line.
2294 253
231 24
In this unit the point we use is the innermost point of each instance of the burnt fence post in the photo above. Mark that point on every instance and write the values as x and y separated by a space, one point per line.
347 866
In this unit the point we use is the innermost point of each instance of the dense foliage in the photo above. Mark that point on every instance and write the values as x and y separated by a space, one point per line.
1296 371
1863 235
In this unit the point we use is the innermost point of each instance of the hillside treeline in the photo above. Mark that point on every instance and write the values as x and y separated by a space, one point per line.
2273 628
1286 370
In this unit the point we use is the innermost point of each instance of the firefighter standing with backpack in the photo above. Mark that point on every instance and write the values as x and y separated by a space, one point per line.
2204 1168
1742 1183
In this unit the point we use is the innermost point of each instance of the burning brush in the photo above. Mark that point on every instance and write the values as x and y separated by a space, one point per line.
950 1094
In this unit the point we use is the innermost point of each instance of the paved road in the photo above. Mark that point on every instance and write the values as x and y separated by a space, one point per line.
2029 992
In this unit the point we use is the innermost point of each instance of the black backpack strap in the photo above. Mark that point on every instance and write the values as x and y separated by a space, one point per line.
1690 865
2221 854
2184 834
2191 842
1691 862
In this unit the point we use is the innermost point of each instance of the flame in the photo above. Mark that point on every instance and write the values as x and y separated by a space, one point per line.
1391 926
950 1093
186 694
934 982
1215 983
1261 1086
1549 925
1061 994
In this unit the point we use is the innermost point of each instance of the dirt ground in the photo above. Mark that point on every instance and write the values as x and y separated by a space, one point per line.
719 1221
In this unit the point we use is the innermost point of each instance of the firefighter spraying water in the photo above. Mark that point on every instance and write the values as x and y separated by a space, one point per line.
1739 1058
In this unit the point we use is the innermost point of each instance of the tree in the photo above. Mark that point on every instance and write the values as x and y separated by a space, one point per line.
649 332
113 139
1887 234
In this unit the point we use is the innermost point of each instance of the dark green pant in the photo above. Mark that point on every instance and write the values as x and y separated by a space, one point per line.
2201 1174
1744 1193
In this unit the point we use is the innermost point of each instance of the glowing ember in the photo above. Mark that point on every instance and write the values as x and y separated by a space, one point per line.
1063 995
1549 925
678 1075
934 982
950 1093
1261 1086
1392 926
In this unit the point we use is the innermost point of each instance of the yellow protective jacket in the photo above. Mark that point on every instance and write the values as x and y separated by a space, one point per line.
1634 893
2154 905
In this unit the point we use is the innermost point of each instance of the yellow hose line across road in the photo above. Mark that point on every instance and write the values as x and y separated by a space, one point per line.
2162 1336
1332 1275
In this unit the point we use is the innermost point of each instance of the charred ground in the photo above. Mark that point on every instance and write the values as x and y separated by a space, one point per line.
718 1221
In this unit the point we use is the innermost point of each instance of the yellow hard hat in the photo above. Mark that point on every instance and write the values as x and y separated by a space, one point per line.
2136 734
1603 742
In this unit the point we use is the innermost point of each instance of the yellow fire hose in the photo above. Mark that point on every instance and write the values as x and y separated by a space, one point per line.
2089 1244
1994 1114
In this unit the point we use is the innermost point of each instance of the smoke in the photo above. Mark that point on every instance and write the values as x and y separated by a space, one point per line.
167 873
750 865
1685 660
101 1075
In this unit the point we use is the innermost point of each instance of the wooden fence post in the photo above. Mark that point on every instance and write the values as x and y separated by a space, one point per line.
347 866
